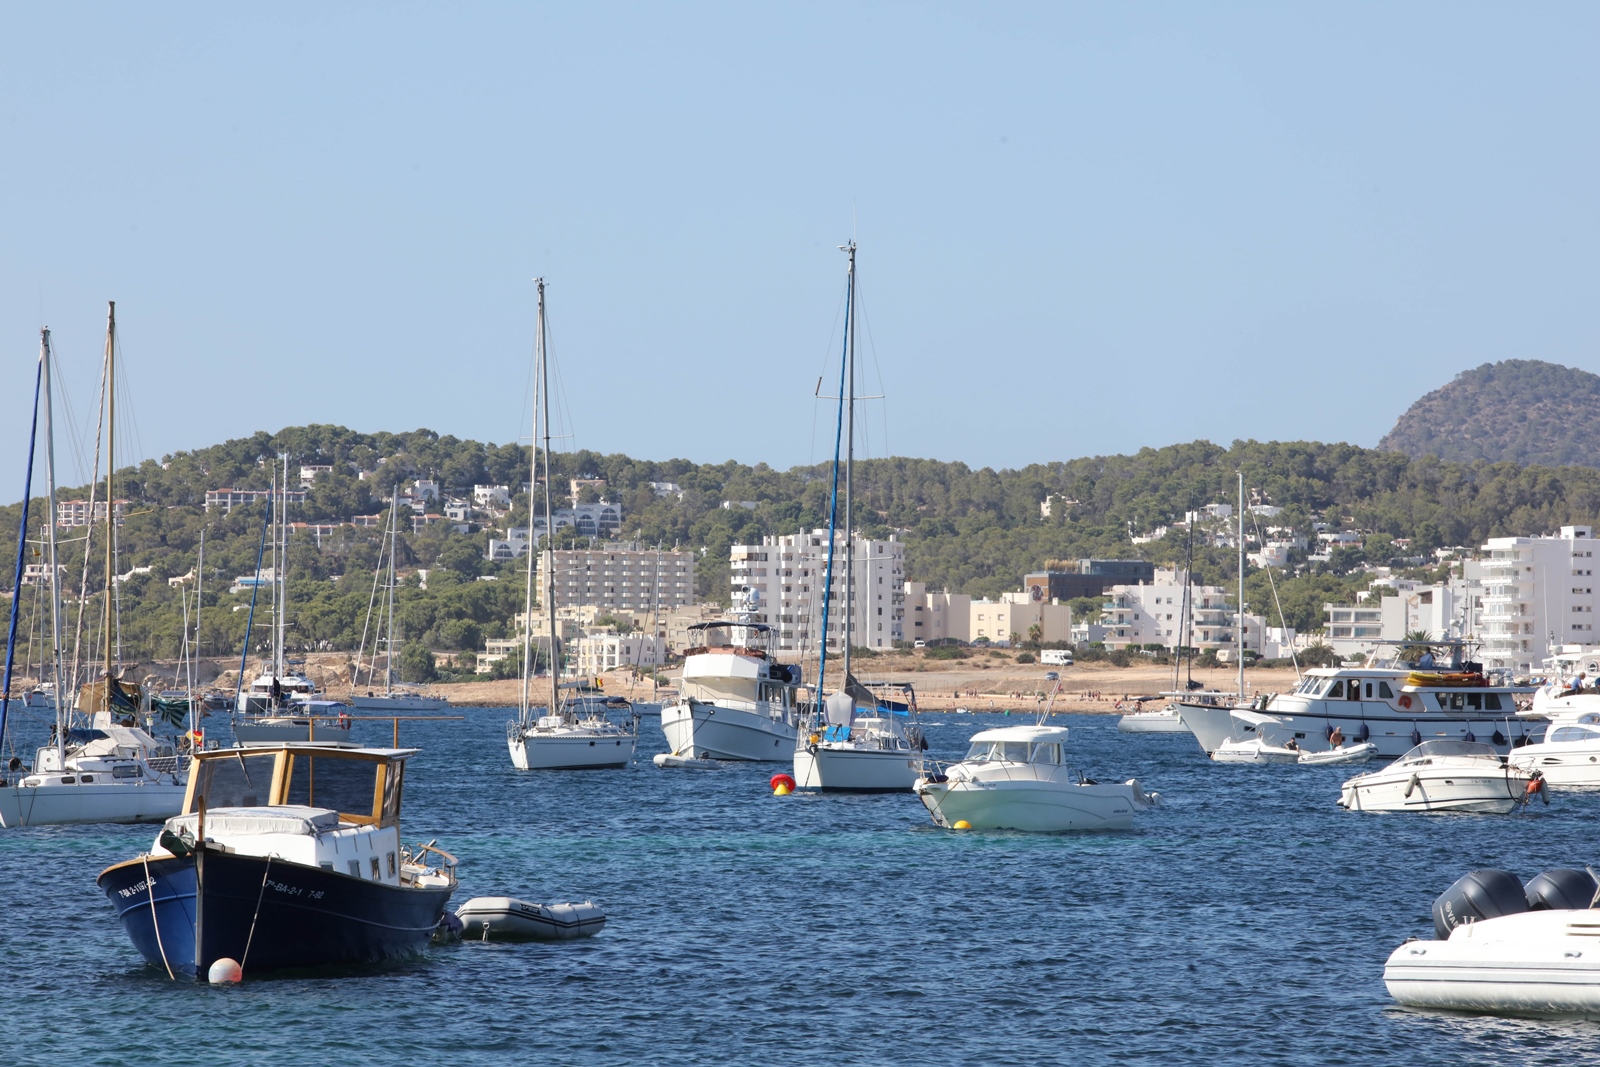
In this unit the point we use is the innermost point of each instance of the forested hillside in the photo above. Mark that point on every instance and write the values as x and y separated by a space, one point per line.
974 531
1518 411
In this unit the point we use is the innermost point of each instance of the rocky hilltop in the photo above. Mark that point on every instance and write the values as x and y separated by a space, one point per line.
1519 410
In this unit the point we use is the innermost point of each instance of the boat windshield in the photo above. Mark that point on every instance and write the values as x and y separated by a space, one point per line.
1438 749
348 786
998 751
239 782
1573 733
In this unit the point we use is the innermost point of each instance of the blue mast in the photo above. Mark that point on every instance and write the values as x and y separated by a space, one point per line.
22 552
833 504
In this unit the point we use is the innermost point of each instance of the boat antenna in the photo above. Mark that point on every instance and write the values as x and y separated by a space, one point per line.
22 553
1050 702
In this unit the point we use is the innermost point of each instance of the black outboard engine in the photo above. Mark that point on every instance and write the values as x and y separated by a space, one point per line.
1476 896
1560 890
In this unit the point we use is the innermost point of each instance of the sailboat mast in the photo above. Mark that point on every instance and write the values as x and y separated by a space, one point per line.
1240 634
549 591
111 496
22 556
394 525
282 575
849 462
194 650
50 525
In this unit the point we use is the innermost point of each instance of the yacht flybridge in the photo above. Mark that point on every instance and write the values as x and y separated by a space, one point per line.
1393 702
735 702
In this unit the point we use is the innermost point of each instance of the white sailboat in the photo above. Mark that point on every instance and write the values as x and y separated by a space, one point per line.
112 770
280 705
576 735
842 750
394 697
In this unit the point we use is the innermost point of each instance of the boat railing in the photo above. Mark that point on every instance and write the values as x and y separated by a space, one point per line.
174 765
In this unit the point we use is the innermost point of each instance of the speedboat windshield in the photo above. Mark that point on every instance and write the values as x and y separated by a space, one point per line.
1438 749
998 751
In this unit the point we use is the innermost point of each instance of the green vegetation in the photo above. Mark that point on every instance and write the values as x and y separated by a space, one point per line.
1519 411
965 530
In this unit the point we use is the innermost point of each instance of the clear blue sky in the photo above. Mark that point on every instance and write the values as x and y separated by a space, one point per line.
1084 228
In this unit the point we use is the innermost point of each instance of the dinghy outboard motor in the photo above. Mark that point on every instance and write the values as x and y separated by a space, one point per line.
1476 896
1560 890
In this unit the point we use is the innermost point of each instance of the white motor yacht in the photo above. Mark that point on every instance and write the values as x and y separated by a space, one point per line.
1506 949
1568 756
734 702
1016 778
1442 776
872 753
1394 705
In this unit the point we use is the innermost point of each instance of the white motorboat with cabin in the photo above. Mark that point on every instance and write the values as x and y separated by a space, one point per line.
735 702
565 735
1396 705
1569 754
100 764
1505 949
1443 776
1017 778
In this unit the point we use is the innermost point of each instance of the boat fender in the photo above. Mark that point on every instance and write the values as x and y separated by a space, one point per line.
1405 702
450 929
1416 735
922 743
1412 784
1499 738
1470 736
1365 733
1536 785
1561 890
1476 896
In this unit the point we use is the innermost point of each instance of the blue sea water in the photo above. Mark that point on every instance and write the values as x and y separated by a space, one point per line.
1245 922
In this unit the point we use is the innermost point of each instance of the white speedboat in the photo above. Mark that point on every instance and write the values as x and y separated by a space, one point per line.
509 919
1394 706
734 702
1569 755
1159 721
855 753
1016 778
1505 950
1442 776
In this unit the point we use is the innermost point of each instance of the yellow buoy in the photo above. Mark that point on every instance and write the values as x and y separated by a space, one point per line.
962 824
783 790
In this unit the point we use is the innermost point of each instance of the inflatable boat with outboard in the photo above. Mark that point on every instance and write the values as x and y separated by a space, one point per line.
1507 949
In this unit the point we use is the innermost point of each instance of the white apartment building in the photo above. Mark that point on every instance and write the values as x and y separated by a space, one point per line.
228 499
780 582
996 621
70 513
598 653
1153 614
932 617
1539 592
621 577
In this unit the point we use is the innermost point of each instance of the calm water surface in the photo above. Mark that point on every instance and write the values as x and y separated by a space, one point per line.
1246 922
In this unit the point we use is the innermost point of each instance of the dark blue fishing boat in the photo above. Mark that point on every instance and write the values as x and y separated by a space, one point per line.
285 857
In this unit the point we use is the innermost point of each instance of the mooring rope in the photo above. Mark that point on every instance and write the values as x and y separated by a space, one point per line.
155 922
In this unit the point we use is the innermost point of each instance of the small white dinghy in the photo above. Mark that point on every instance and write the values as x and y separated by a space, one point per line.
672 759
1360 752
509 919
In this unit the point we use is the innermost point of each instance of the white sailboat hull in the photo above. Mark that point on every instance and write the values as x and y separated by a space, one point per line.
1152 722
533 750
845 768
713 731
60 799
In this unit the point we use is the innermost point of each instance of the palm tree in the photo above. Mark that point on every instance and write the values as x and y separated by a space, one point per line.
1416 644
